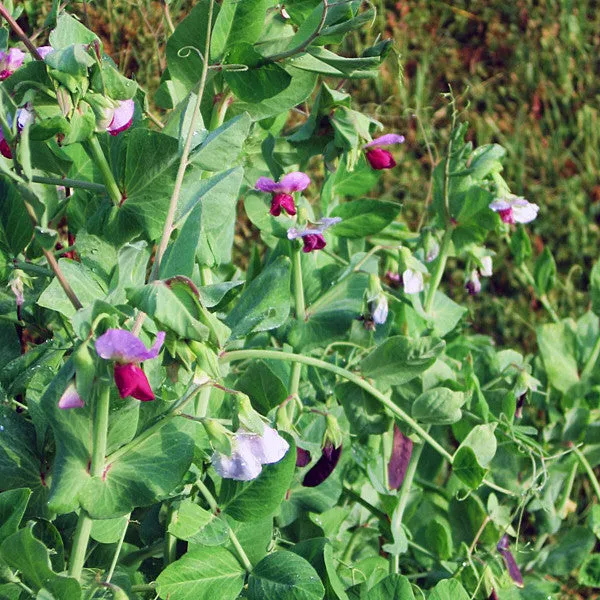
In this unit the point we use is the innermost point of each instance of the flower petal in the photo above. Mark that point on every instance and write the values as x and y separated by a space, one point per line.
380 312
132 381
43 51
380 159
294 182
122 345
264 184
70 398
122 117
237 466
525 213
412 281
499 204
386 140
267 448
486 269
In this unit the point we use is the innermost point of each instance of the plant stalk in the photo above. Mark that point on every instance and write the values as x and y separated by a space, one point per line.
95 151
71 183
19 32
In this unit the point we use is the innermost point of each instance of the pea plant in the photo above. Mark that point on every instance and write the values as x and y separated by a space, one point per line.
228 367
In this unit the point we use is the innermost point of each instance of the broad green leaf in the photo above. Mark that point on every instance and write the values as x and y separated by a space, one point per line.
466 517
399 359
439 537
449 589
482 441
69 31
466 467
223 145
263 385
362 218
265 303
237 22
109 531
211 295
486 159
570 551
16 230
544 272
189 519
254 536
285 576
589 573
364 412
86 286
445 314
438 406
202 574
557 343
12 508
261 497
595 287
393 587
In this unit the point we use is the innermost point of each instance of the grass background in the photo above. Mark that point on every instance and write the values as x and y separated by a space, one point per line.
526 74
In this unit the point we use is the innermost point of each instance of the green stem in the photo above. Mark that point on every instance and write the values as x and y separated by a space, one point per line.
438 273
155 550
300 310
115 560
588 469
95 150
170 541
359 381
542 298
561 509
72 183
99 437
232 537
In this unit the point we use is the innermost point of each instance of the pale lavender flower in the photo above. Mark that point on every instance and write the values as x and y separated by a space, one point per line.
380 310
292 182
486 266
412 281
514 209
70 398
43 51
382 159
312 238
122 117
123 346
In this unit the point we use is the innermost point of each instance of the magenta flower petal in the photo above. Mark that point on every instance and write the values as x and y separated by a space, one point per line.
43 51
264 184
70 398
324 466
401 453
294 182
4 147
386 140
282 201
132 381
509 560
122 117
10 61
380 159
313 241
123 346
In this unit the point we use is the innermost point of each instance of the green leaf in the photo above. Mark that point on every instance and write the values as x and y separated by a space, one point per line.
73 60
589 573
439 537
202 574
261 497
393 587
265 303
558 345
595 287
466 467
69 31
449 589
482 441
570 551
362 410
223 145
28 555
188 520
362 218
16 230
520 245
485 160
544 272
109 531
237 22
285 576
445 314
438 406
258 82
264 387
399 359
12 508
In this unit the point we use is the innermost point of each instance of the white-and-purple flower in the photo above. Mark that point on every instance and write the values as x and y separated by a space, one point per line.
127 350
514 209
379 158
250 452
122 117
473 284
412 281
312 237
282 191
10 61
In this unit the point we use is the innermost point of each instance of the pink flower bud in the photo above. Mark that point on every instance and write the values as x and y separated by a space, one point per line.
132 381
380 159
313 241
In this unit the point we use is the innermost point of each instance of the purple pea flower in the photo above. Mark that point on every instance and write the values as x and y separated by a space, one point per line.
509 561
514 209
70 398
312 238
127 350
401 453
282 192
324 466
122 117
10 61
43 51
382 159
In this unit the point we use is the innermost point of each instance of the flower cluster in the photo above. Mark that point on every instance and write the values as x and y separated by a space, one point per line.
250 452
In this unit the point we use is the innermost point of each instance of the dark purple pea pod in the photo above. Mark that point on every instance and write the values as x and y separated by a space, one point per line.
509 561
324 466
401 453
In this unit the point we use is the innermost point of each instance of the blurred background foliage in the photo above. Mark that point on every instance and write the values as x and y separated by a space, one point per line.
526 75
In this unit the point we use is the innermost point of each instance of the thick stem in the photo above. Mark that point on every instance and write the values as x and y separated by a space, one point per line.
66 286
20 33
438 273
588 469
359 381
95 150
170 541
71 183
232 537
99 435
300 310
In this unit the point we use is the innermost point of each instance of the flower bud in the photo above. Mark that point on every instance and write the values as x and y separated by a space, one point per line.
219 436
248 418
132 381
70 398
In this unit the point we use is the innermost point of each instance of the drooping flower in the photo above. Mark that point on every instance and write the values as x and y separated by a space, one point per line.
380 309
127 350
412 281
43 51
312 237
70 398
514 209
10 61
379 158
282 198
509 560
486 266
473 284
330 455
122 117
249 452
